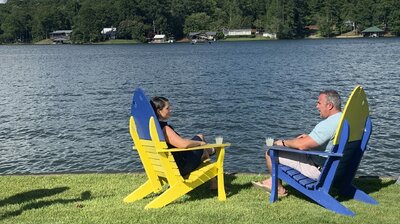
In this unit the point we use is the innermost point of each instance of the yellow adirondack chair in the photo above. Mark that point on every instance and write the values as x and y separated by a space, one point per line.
159 164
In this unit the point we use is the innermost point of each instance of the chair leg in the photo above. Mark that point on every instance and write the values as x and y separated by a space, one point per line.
144 190
221 185
327 201
359 195
274 178
274 189
170 195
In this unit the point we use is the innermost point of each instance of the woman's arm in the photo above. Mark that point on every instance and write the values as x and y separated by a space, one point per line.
177 141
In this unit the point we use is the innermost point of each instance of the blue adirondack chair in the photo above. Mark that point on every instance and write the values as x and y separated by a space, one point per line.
341 164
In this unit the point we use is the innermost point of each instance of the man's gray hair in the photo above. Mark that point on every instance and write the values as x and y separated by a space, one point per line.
333 97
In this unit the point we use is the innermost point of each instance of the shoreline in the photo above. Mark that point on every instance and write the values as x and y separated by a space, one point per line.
185 40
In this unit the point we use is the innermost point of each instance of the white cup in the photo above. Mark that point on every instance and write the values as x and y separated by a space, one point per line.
219 139
269 141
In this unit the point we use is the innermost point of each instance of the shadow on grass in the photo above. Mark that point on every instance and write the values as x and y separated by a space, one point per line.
31 198
367 184
32 195
204 191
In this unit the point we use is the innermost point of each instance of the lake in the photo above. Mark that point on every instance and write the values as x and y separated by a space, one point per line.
65 108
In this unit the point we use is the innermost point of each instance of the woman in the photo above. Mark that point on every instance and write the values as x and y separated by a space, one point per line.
187 161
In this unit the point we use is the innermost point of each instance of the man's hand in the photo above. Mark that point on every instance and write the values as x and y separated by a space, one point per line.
302 136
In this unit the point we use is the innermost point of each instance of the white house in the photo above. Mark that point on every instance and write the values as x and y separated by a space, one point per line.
238 32
109 32
159 38
269 35
61 36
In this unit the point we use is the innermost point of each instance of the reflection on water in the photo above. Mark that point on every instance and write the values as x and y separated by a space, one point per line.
65 108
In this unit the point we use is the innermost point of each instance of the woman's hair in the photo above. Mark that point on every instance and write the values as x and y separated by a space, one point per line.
158 103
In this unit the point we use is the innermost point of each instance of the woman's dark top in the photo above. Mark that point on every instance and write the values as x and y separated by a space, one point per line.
187 161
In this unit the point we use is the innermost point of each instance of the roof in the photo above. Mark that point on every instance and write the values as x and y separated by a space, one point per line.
208 33
108 30
159 36
372 29
61 31
240 30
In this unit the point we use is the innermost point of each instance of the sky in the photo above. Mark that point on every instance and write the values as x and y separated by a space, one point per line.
3 1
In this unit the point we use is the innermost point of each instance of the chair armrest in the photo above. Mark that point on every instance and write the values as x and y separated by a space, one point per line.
307 152
206 146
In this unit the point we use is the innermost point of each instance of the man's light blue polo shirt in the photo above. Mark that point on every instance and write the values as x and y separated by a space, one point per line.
324 133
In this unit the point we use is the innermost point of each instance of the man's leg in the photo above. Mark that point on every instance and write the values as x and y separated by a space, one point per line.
268 182
300 162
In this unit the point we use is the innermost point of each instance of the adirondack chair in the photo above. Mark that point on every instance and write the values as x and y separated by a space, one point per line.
159 164
340 167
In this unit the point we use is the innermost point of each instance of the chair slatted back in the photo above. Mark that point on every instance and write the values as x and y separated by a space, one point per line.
147 153
141 110
356 117
356 112
172 172
148 137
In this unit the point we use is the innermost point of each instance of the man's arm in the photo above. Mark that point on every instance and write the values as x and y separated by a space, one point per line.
302 142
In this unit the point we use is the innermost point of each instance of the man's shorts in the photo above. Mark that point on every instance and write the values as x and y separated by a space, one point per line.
300 162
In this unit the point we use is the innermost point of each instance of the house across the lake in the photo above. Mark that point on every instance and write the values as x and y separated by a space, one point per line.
269 35
160 39
373 32
202 37
239 32
109 33
61 36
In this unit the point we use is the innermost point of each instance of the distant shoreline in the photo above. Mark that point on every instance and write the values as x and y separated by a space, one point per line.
185 40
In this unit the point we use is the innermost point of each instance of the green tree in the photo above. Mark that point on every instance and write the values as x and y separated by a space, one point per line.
47 19
365 14
329 19
196 22
273 19
133 29
348 13
234 15
394 18
16 25
93 16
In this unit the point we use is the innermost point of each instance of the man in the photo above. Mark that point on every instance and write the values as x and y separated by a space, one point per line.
320 138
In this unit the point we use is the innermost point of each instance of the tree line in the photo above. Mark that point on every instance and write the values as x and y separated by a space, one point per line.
27 21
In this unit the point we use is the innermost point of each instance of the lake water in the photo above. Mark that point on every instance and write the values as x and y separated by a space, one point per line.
65 108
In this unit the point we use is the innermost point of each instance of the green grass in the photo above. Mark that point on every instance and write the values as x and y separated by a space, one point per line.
44 42
97 198
257 38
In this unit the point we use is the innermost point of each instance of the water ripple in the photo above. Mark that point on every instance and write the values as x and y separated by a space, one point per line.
65 108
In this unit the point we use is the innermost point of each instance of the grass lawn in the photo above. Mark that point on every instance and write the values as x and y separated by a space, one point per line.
97 198
44 42
246 38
